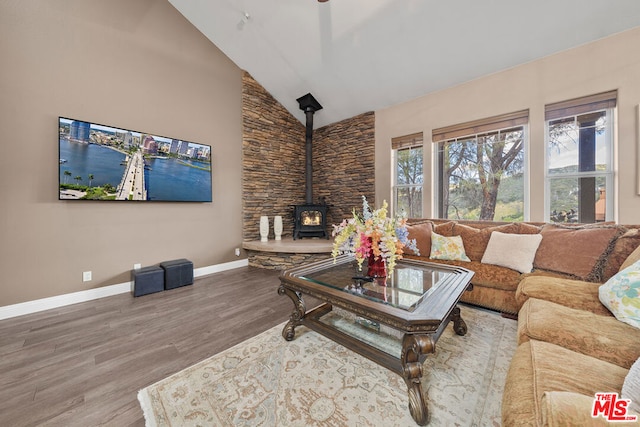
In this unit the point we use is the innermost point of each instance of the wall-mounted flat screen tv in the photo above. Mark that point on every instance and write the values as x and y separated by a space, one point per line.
99 162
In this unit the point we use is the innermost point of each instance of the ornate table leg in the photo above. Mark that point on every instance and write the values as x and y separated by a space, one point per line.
299 310
414 347
459 326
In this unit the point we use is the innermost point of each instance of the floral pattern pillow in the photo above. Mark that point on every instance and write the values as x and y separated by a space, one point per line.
621 295
447 248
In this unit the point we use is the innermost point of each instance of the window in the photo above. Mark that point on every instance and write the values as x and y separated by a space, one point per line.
481 168
408 175
579 171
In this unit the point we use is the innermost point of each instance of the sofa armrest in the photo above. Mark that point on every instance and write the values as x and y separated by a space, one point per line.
567 292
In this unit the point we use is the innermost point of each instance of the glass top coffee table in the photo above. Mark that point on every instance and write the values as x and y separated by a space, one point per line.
394 322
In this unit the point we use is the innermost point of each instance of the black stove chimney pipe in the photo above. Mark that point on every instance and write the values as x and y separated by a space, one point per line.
309 105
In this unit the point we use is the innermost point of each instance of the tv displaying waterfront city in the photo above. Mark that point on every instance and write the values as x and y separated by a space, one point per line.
99 162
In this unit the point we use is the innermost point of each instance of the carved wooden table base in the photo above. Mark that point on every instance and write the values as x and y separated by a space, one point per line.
420 313
415 347
299 310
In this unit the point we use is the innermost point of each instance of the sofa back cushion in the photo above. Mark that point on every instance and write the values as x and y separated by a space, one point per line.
631 259
579 251
620 254
444 228
527 228
476 239
422 233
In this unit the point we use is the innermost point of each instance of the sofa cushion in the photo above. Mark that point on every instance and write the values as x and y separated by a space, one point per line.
603 337
558 249
444 228
526 228
514 251
570 293
487 275
621 295
567 409
492 298
631 259
476 239
447 248
631 386
538 367
422 233
622 249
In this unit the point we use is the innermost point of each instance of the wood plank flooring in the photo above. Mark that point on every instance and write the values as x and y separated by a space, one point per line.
82 365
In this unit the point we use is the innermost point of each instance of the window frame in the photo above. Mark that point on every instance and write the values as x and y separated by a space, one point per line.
475 129
574 108
407 142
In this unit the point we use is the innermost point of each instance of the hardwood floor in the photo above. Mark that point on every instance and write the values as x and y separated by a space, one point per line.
83 365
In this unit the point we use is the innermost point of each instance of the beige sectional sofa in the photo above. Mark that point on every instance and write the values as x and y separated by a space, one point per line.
584 252
570 346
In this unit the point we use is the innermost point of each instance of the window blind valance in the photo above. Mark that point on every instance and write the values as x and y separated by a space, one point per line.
577 106
407 141
489 124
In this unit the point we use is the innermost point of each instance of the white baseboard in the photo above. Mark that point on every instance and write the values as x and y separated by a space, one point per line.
203 271
35 306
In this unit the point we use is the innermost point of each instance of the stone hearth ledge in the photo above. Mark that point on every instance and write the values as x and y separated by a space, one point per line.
288 245
287 253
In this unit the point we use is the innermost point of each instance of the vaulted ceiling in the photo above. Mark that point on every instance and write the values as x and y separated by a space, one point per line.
362 55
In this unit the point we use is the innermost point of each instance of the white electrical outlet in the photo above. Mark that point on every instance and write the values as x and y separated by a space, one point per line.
237 251
136 266
86 276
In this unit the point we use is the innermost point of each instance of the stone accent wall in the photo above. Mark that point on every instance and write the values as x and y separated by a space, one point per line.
274 162
344 165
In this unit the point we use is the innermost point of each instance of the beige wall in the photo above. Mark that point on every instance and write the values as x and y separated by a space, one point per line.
132 64
611 63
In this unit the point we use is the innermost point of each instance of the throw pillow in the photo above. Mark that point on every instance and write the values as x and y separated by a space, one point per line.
444 228
447 248
618 258
621 295
514 251
422 233
575 250
631 386
631 259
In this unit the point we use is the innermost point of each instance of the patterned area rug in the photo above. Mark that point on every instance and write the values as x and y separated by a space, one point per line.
312 381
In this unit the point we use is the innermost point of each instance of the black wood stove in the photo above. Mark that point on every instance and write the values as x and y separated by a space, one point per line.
310 219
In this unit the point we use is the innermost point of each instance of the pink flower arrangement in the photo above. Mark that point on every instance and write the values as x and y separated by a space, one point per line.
372 233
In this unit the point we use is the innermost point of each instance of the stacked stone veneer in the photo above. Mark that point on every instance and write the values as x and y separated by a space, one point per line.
272 162
344 165
282 261
274 167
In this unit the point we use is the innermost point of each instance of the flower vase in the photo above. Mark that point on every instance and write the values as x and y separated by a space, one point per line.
376 267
